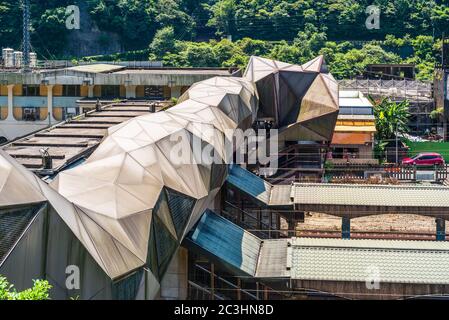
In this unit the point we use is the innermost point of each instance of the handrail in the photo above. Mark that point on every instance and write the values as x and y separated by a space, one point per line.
226 281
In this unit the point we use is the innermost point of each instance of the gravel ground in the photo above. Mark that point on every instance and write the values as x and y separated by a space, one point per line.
379 223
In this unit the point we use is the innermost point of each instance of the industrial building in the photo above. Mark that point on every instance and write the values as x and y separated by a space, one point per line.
41 98
353 138
141 224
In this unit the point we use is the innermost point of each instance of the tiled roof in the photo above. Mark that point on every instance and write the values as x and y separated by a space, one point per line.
371 195
370 260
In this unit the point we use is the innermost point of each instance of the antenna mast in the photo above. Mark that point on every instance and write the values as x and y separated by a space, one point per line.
26 35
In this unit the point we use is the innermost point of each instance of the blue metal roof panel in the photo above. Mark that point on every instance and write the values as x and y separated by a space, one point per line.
249 183
227 242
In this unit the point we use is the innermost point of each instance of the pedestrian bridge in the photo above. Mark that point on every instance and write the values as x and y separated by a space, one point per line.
346 200
402 268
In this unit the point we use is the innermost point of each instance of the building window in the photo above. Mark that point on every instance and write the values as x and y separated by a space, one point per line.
110 91
154 92
71 91
31 114
31 90
69 112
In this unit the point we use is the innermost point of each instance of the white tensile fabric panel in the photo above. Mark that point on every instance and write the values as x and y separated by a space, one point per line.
16 187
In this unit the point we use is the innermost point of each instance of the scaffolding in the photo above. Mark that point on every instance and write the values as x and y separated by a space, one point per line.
418 93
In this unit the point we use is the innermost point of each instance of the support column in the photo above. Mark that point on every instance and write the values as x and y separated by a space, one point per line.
174 285
441 229
175 92
212 281
10 102
346 228
90 91
50 104
130 92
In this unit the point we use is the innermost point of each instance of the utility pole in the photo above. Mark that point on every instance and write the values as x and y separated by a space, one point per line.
396 136
26 35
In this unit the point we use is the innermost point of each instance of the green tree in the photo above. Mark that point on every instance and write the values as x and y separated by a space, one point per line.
391 119
39 291
223 16
163 42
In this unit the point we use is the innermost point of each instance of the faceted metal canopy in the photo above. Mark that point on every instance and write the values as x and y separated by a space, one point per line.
302 100
146 185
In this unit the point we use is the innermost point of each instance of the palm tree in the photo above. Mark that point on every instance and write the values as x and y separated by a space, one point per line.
391 119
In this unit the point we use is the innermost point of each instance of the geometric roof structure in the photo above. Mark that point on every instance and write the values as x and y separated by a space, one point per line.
16 187
147 184
135 191
302 100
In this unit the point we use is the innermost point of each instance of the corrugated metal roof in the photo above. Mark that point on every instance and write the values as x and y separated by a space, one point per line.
281 195
96 68
273 259
227 242
371 195
249 183
355 128
367 260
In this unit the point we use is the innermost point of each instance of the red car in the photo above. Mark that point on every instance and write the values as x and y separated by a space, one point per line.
425 159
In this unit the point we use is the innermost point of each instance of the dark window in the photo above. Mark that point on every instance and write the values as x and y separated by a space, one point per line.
31 114
426 157
71 91
154 92
31 90
110 91
69 112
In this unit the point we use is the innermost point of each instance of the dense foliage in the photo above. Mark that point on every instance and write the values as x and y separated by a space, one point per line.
39 291
185 32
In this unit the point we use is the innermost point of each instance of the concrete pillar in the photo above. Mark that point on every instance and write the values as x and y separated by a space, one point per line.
346 228
10 102
50 104
174 284
441 229
90 91
175 92
130 92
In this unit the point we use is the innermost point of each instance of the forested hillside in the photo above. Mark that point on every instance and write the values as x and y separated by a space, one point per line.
188 32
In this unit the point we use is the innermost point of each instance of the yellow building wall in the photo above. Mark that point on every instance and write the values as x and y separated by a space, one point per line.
17 113
17 90
97 91
167 92
3 90
122 91
140 91
3 113
43 90
57 90
43 113
84 91
57 113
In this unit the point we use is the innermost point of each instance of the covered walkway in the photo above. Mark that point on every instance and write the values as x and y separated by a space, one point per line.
379 269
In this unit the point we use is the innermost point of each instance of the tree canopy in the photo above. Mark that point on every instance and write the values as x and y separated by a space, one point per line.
188 32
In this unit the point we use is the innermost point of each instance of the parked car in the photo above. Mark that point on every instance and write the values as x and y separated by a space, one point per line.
425 159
